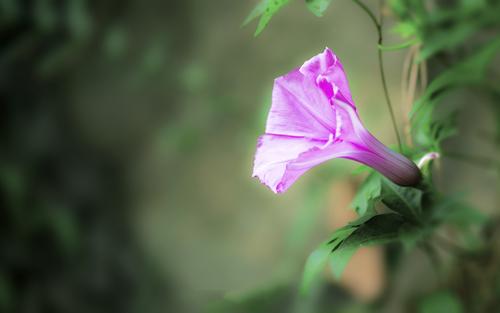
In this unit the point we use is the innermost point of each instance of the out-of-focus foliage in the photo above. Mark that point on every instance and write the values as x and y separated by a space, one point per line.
471 71
367 230
423 208
314 265
463 37
267 8
87 87
443 301
368 193
457 44
318 7
66 236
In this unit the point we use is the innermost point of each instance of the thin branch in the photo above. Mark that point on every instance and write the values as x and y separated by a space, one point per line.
370 13
378 26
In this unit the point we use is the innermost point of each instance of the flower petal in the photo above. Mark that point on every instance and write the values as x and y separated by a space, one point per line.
281 160
327 65
313 119
319 64
299 108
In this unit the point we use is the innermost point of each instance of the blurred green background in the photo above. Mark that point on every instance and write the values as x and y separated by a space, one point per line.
127 135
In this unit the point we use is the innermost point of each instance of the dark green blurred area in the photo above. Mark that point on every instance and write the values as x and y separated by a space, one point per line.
127 135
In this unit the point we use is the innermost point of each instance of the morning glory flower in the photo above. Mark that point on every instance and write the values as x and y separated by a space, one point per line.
313 119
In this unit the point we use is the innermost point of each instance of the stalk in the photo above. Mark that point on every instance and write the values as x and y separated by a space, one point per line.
378 26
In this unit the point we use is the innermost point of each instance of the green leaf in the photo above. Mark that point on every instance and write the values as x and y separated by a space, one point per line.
442 301
318 258
421 124
406 201
318 7
367 195
339 260
340 257
400 46
456 26
379 229
446 38
315 264
444 128
469 71
265 9
256 12
405 29
429 131
368 230
342 233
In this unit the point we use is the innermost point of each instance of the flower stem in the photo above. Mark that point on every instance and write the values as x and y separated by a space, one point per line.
378 26
370 13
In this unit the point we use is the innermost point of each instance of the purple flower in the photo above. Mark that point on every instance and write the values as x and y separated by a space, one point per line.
313 119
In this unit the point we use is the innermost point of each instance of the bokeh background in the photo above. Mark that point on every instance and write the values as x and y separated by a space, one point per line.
127 137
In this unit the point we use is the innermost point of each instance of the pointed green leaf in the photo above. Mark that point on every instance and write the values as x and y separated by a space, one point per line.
339 260
318 258
469 71
318 7
428 130
421 123
449 38
272 7
406 201
342 233
315 264
367 195
256 12
405 29
378 229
